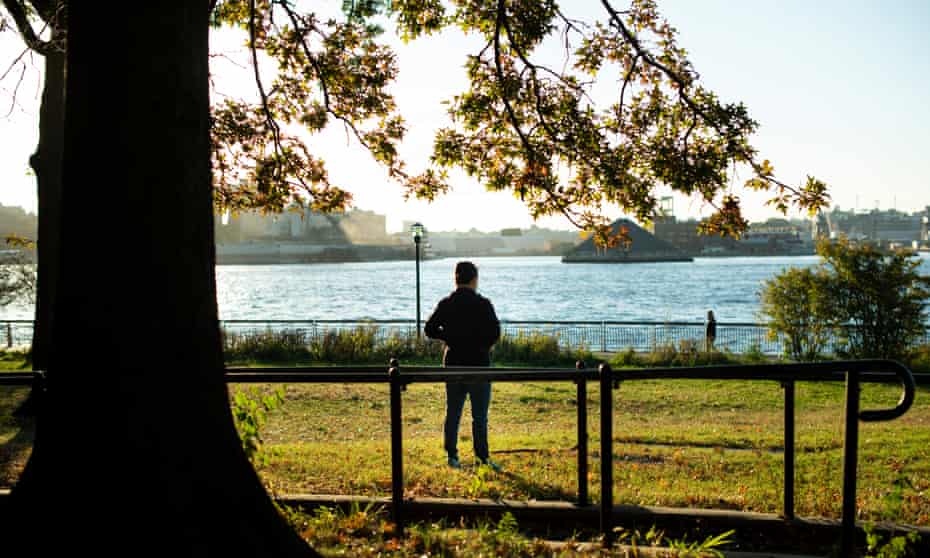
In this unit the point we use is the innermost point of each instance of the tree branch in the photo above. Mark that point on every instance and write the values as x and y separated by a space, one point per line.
21 19
511 115
269 119
500 24
13 64
324 89
15 91
682 84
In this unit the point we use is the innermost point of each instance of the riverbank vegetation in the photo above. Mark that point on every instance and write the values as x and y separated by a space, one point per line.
371 345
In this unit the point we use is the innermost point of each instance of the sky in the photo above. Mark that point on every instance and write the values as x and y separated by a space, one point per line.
839 89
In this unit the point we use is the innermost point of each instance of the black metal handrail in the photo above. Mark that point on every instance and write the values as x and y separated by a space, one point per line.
853 372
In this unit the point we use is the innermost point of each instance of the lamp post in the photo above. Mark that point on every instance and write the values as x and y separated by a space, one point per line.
417 230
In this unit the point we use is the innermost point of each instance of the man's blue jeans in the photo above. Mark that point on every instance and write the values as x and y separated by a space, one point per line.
480 395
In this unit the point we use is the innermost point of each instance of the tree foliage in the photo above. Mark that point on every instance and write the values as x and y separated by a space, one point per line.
878 298
522 126
793 304
543 133
325 71
874 302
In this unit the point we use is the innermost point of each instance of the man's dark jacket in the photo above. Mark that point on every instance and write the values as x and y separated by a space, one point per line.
466 322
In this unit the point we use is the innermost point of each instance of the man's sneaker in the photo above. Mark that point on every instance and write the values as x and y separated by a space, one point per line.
454 463
491 465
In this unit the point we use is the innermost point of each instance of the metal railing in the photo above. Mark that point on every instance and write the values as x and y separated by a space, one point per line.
16 333
854 373
604 336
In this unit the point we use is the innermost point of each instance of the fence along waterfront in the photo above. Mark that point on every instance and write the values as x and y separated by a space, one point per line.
604 336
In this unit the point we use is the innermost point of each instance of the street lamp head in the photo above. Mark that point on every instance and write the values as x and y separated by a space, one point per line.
417 230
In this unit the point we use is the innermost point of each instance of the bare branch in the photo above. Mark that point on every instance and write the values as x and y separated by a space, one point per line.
15 91
13 64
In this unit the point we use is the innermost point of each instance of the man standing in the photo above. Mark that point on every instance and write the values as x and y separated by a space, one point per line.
465 321
710 332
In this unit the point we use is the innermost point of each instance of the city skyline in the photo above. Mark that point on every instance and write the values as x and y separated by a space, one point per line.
836 89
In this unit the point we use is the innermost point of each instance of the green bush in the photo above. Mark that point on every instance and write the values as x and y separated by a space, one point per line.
754 355
266 346
370 345
876 302
796 306
919 359
532 348
625 359
356 345
668 355
536 349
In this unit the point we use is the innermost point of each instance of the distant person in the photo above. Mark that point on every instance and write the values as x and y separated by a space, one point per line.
710 331
465 321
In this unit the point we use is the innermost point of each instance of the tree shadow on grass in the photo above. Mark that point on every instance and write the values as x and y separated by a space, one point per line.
15 451
531 488
18 432
535 490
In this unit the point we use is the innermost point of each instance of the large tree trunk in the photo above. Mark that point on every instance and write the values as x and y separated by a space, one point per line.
46 162
136 452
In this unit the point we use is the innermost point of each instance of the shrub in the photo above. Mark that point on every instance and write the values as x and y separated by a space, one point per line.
268 346
354 345
754 355
880 295
537 349
919 359
250 412
875 301
626 358
794 303
371 345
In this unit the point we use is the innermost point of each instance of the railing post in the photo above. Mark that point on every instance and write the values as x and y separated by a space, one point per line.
850 456
9 335
607 454
603 336
397 449
582 399
788 507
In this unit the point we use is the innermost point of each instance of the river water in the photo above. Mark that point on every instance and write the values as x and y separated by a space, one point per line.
527 288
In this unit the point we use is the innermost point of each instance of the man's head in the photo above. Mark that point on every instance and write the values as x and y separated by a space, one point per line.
466 275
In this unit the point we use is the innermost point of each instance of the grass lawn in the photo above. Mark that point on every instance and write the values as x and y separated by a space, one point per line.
677 443
709 444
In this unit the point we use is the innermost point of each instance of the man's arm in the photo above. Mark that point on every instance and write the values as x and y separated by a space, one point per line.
493 328
435 325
